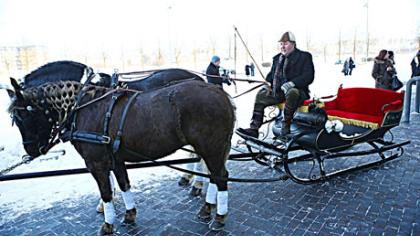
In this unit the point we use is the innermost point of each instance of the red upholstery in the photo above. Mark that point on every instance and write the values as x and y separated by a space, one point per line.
364 104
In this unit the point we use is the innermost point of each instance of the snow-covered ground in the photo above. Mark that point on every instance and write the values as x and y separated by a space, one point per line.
21 196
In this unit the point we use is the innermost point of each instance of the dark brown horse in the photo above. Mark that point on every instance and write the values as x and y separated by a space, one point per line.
158 123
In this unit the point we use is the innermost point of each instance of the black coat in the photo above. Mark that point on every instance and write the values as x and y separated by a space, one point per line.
415 67
213 70
299 69
381 75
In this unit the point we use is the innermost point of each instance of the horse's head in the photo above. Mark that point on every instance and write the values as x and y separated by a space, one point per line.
34 123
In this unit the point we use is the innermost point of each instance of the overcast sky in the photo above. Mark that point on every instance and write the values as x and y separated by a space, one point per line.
105 24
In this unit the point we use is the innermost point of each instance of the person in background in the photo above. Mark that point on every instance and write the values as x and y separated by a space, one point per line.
391 57
415 65
252 67
345 69
383 70
213 74
351 65
247 70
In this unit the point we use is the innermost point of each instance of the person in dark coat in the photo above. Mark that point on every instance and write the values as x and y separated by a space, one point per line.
351 65
290 76
247 70
252 67
213 74
383 70
345 69
415 65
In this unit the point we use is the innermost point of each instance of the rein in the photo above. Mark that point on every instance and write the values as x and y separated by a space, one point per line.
239 180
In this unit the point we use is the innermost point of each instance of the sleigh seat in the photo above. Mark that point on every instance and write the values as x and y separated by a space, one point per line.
366 107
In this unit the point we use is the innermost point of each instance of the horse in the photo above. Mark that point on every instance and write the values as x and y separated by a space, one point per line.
158 122
76 71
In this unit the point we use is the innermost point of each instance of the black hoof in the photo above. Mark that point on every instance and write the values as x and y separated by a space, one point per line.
205 212
107 229
130 216
184 182
195 191
218 224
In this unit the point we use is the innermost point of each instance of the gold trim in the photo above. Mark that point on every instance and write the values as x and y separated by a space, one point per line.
303 108
361 123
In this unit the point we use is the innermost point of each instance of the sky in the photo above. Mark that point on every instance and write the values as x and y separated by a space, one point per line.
112 25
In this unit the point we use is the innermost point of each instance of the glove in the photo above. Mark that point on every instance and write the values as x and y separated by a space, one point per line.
287 86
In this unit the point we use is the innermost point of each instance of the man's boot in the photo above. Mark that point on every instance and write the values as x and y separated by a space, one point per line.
257 120
287 120
285 128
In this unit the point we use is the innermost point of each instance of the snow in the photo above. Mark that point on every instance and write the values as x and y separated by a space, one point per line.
22 196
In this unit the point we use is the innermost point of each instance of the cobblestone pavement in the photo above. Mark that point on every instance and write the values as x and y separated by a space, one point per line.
384 200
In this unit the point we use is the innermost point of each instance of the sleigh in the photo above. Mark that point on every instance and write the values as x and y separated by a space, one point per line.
343 128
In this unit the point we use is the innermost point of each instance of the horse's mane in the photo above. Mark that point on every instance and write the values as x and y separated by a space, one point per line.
55 71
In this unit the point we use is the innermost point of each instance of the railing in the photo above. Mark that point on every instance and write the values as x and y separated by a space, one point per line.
407 99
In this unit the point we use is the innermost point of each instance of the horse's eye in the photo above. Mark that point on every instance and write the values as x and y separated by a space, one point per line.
29 108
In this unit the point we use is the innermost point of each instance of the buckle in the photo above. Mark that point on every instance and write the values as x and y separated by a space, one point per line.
106 139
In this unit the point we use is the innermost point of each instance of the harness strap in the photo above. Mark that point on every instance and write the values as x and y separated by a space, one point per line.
108 114
117 142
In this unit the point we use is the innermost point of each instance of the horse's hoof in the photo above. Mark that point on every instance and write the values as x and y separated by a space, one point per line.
195 191
130 216
205 212
218 224
107 229
184 182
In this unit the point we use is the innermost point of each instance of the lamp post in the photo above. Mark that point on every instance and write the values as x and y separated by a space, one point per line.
367 29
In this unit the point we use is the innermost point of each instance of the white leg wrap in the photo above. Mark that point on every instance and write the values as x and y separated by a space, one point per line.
111 180
211 195
128 200
222 202
109 212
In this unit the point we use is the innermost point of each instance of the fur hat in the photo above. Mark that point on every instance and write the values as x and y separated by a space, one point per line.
288 36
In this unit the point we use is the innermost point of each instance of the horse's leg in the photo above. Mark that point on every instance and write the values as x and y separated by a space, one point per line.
198 181
121 175
102 179
217 191
100 206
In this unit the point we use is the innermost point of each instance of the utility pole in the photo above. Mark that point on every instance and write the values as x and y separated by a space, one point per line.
354 44
339 45
262 49
235 52
367 29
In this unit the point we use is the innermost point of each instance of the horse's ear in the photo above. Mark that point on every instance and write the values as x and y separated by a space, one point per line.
17 88
15 84
11 93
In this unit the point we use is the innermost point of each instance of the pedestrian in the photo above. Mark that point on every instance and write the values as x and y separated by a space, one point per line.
383 70
213 74
291 74
352 65
415 65
345 69
247 70
252 67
